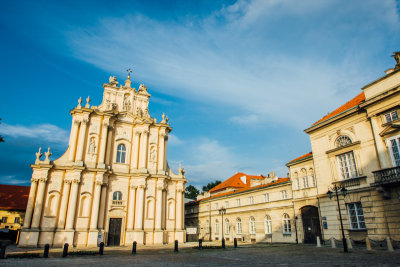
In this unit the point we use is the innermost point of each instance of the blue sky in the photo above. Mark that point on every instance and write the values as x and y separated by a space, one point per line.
239 80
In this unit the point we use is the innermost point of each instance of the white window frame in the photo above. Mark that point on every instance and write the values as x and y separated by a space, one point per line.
252 225
238 202
305 182
283 194
347 165
286 224
121 154
266 197
216 205
207 227
251 200
238 226
216 227
394 153
227 226
268 225
226 204
391 116
357 220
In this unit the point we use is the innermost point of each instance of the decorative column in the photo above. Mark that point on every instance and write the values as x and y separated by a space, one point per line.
165 151
93 232
37 214
179 199
31 202
72 203
143 150
103 204
161 156
109 145
131 207
72 139
81 141
135 157
64 204
159 200
384 160
138 234
103 144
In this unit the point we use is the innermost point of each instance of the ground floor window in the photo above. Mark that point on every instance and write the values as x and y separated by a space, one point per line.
267 225
252 226
287 228
356 215
238 226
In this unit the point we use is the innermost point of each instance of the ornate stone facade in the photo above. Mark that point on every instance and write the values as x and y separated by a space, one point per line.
113 183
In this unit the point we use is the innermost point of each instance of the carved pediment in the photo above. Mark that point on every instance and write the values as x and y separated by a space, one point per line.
391 128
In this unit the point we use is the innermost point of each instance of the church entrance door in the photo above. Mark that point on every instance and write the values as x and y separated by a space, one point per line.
311 226
114 232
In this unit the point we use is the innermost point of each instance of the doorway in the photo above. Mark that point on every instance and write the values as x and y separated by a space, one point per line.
311 226
114 232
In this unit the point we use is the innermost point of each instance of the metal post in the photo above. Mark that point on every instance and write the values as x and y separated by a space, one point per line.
200 243
295 227
46 251
134 247
101 248
2 252
341 221
176 246
65 250
223 243
235 242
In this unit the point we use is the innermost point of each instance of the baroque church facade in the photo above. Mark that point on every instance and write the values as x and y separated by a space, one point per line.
113 184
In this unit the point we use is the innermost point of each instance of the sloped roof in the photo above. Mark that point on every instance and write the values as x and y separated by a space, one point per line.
13 197
351 104
301 157
236 182
278 181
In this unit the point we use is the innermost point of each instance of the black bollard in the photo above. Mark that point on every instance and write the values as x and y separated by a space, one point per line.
223 242
65 250
134 247
176 246
101 248
235 242
46 251
2 252
200 243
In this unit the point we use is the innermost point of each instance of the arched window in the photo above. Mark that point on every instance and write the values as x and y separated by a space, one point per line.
207 227
343 140
252 226
216 227
268 225
121 153
226 226
287 228
238 226
117 195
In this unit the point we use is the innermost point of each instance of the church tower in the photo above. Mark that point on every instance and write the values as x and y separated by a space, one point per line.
113 184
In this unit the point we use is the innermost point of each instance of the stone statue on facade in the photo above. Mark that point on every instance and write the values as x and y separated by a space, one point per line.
92 146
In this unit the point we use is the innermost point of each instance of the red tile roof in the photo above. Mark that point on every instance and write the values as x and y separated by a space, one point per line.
236 182
13 197
278 181
351 104
302 157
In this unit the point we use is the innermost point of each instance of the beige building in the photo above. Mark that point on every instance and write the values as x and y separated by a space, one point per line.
357 147
113 183
256 209
13 199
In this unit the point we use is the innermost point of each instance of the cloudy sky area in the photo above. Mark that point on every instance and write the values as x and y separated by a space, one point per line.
239 80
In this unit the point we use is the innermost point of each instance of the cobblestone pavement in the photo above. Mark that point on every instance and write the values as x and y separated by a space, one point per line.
245 255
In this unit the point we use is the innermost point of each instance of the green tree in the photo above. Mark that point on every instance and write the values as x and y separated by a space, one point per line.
211 185
191 192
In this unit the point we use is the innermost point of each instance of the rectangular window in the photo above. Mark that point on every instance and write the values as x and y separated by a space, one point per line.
313 180
238 202
216 206
356 215
394 148
226 204
283 194
17 219
4 219
347 165
266 197
391 116
297 184
251 200
305 181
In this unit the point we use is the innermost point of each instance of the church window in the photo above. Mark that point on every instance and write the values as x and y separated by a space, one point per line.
121 153
117 195
347 165
238 226
287 228
268 225
342 141
252 226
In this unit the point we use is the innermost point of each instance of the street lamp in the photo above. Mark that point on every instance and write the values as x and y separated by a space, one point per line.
222 211
343 191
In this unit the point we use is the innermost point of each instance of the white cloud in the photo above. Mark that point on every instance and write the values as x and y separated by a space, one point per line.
47 132
10 179
247 120
174 140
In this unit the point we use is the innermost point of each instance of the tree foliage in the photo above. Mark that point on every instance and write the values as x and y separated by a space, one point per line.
211 185
191 192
